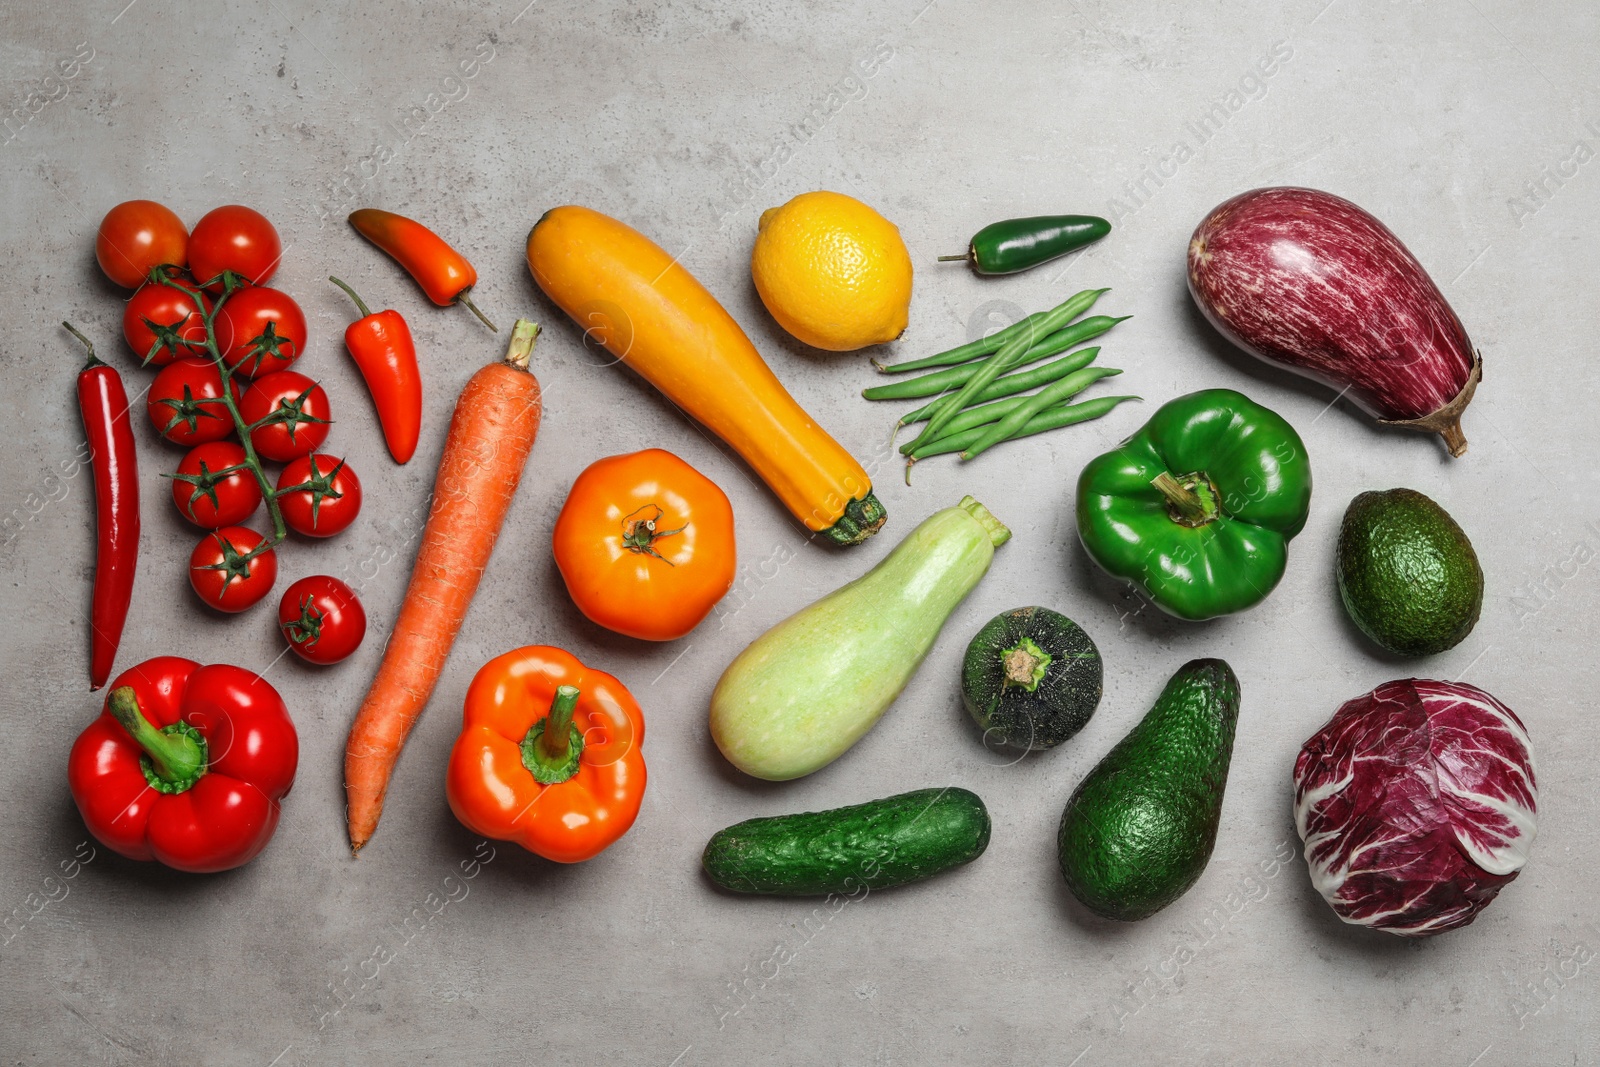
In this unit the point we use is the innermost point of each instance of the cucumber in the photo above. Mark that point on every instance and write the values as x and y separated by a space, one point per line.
875 845
802 693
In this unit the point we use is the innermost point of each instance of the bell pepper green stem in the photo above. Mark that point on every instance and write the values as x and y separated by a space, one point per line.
177 757
553 746
955 259
1192 499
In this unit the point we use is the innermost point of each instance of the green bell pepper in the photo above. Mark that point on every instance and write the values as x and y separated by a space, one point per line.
1198 507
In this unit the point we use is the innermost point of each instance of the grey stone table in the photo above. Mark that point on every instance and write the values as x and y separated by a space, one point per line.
1470 126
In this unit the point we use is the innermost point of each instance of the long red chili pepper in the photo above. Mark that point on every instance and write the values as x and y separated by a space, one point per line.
104 404
380 343
444 274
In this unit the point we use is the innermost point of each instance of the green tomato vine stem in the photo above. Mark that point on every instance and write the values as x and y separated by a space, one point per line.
232 283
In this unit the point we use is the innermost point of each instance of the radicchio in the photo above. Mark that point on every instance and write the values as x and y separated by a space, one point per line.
1416 804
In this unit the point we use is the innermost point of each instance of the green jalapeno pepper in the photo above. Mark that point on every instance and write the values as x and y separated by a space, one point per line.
1018 244
1198 507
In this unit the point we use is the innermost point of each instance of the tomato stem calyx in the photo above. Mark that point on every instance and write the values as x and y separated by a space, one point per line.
553 746
308 627
639 533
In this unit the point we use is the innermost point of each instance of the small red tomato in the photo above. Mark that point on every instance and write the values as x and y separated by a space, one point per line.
185 402
302 425
234 238
222 576
319 495
136 236
260 330
214 486
321 619
158 319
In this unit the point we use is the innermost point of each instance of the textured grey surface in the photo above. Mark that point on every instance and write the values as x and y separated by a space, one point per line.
686 119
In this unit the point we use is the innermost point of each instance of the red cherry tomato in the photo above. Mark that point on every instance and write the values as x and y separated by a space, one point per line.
234 238
221 576
136 236
321 496
185 402
208 497
158 319
304 426
260 330
321 619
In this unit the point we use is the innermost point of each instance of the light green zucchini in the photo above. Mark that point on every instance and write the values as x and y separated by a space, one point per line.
802 693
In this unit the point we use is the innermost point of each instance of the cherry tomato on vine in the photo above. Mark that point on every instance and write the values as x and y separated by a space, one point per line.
304 425
185 402
320 495
321 619
214 486
260 330
234 237
137 235
223 578
645 544
158 319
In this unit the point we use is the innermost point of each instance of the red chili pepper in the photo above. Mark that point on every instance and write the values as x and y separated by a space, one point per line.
444 274
186 765
380 343
103 403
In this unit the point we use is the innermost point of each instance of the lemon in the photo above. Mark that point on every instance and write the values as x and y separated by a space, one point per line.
832 271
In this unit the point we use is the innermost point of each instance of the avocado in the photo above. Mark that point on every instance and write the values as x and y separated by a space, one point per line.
1407 573
1139 829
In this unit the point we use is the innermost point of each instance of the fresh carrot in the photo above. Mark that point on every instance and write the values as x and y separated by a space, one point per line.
491 434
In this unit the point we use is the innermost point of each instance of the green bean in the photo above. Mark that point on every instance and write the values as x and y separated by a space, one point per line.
943 381
1019 383
1050 419
983 346
984 414
1016 419
990 369
1079 302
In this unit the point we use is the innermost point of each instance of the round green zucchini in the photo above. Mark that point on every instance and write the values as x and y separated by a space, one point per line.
1031 678
881 843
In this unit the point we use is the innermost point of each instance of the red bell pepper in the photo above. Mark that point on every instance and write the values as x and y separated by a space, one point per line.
380 343
186 765
549 755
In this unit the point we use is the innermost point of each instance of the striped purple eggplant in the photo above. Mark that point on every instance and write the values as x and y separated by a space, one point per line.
1311 282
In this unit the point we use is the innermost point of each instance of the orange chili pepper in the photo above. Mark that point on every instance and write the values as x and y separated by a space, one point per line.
565 799
444 274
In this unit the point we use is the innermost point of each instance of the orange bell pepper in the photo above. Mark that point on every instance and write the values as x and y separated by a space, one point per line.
550 755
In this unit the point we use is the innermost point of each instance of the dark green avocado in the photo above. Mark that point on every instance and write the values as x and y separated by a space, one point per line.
1139 829
1407 573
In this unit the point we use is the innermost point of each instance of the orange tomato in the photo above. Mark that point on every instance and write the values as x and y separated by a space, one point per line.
645 544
